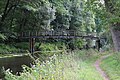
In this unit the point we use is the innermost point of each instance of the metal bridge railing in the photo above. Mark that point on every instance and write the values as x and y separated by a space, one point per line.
56 33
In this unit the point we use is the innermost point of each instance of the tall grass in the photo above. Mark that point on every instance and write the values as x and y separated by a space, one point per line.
111 65
77 65
7 49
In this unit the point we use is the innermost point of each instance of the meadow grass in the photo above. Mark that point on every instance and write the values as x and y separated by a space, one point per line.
77 65
80 66
111 66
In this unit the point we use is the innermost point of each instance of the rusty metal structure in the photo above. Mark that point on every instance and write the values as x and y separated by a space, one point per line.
58 34
68 34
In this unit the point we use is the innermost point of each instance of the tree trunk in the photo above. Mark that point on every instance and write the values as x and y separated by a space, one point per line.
6 11
4 15
115 38
110 7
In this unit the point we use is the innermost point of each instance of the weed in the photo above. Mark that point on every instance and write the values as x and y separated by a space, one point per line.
71 66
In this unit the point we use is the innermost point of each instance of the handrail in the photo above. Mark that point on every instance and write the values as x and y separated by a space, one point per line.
66 33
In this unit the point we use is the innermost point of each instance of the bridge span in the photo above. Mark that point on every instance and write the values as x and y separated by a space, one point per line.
68 34
59 34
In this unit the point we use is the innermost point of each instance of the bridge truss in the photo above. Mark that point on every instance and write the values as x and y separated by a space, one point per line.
68 34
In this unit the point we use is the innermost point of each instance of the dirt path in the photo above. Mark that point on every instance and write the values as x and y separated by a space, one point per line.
97 66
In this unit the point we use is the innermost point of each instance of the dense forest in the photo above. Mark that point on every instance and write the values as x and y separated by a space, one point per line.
97 18
79 15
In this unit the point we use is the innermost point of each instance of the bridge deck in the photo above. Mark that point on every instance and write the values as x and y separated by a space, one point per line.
58 34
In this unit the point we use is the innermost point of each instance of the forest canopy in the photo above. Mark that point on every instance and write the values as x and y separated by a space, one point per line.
80 15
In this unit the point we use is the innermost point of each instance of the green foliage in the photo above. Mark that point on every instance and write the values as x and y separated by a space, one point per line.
61 67
61 45
39 14
76 44
107 11
22 45
111 65
79 43
71 14
49 48
2 37
56 15
1 9
7 49
46 70
26 15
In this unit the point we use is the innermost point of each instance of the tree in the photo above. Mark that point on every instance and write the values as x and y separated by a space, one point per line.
63 18
35 15
8 10
113 8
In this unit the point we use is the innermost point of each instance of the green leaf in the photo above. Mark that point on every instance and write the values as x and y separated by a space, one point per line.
3 37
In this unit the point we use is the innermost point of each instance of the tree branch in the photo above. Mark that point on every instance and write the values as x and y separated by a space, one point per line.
5 10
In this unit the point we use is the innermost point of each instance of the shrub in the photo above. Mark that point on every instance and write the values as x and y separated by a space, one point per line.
22 45
61 45
50 48
7 49
60 67
48 70
76 44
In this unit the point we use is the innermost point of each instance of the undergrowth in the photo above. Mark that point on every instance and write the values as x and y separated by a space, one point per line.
111 65
77 65
7 49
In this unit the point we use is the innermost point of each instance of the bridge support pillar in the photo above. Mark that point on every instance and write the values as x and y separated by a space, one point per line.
32 43
98 45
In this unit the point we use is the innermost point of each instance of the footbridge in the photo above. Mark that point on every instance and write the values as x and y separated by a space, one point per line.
63 34
58 34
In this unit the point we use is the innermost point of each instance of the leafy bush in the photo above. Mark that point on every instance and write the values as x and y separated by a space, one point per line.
60 67
50 48
76 44
48 70
7 49
79 43
22 45
2 37
46 47
61 45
